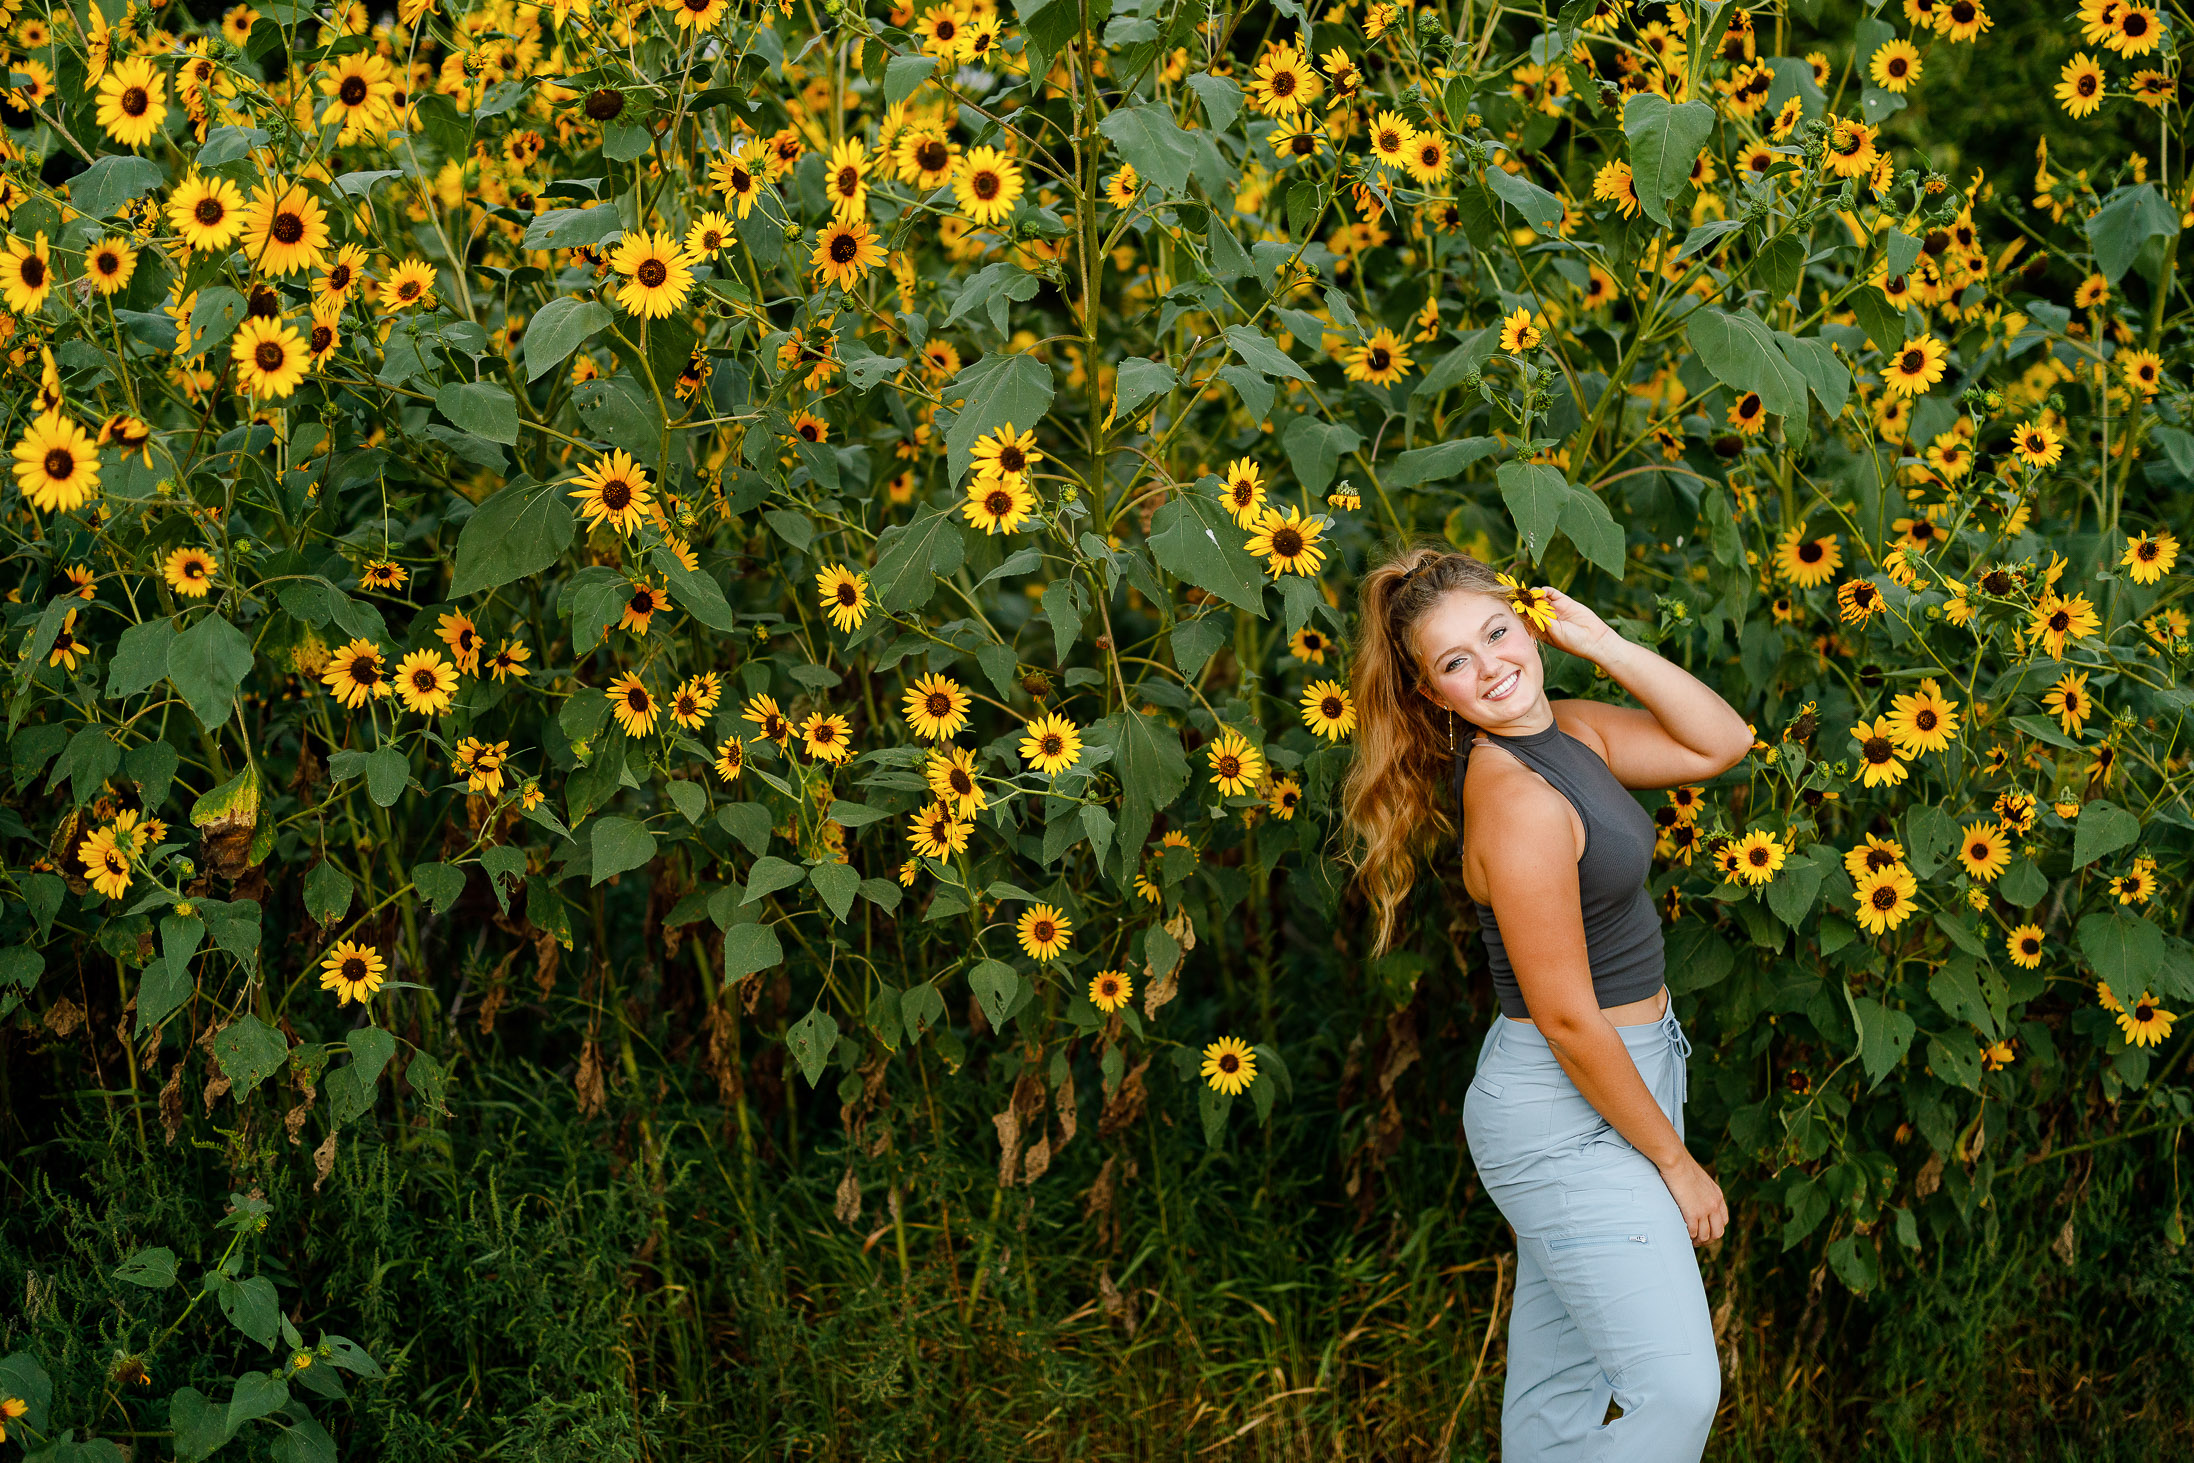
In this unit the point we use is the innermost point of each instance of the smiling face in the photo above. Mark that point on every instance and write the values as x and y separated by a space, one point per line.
1475 656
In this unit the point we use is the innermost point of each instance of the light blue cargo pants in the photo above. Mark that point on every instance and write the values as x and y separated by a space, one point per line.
1608 1301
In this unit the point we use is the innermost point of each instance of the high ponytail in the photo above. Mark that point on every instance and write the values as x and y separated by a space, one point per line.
1395 797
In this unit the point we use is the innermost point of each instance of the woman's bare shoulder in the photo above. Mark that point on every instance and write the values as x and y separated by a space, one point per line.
1586 720
1505 798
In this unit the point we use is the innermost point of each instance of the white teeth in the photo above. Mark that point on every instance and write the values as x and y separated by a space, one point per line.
1507 685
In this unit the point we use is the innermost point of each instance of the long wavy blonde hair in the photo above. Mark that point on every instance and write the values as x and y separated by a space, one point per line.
1395 800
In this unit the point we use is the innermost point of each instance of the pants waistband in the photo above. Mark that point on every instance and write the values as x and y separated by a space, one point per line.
1525 1039
1520 1040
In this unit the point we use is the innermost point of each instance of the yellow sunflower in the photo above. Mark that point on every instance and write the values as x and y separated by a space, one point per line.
426 683
952 776
1284 83
356 671
987 185
1381 359
1521 331
1051 744
1236 766
2024 945
2068 701
935 833
2036 444
109 264
271 358
2144 1021
937 707
1924 721
1759 857
642 606
1229 1065
1878 759
1914 367
510 660
1328 709
2147 558
998 506
1244 493
1109 990
132 101
410 283
56 464
1004 455
769 721
1044 932
658 273
844 595
105 863
845 180
354 972
614 490
2058 620
207 211
1288 543
731 759
632 704
1885 898
285 230
1984 849
846 252
26 274
828 738
189 572
1807 562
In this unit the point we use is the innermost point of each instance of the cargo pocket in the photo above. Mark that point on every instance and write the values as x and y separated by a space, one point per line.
1611 1270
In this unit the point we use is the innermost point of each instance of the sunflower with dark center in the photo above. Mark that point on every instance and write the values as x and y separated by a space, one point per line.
763 711
1229 1066
1044 932
605 104
632 704
354 972
936 706
1287 542
1109 990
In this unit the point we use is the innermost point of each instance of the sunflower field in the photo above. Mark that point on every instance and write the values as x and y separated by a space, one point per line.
678 675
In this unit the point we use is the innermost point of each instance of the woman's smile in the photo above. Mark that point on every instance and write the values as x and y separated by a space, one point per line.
1501 690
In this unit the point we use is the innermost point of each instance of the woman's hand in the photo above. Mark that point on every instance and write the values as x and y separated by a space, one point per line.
1577 629
1706 1212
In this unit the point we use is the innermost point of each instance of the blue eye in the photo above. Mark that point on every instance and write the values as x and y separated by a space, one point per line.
1498 632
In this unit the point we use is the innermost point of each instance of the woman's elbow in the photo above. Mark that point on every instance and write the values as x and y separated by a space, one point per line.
1730 748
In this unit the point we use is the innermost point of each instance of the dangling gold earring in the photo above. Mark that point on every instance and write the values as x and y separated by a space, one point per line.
1451 731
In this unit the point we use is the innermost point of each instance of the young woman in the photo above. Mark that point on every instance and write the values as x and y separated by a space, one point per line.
1575 1117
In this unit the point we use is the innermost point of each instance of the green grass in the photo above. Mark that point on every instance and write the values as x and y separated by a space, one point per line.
544 1287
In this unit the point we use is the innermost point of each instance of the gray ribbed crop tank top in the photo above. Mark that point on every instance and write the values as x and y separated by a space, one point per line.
1622 927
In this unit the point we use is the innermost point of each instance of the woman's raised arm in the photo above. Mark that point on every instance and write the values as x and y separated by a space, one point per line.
1686 733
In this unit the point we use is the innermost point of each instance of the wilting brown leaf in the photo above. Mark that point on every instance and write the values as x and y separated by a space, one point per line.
550 955
171 1103
63 1017
1119 1308
723 1036
1126 1104
848 1205
1008 1124
588 1083
323 1160
1063 1103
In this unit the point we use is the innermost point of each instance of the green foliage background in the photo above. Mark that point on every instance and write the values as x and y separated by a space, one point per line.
685 1127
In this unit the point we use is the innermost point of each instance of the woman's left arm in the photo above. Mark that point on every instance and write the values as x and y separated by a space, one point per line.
1686 733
